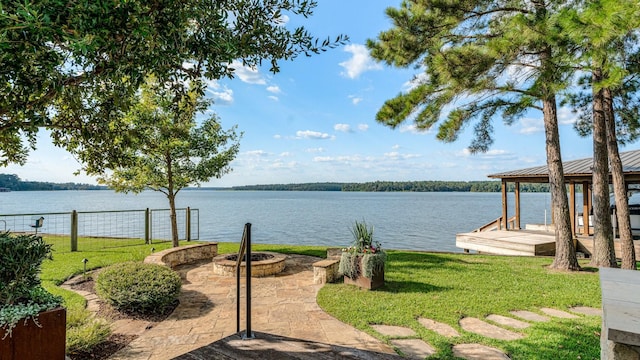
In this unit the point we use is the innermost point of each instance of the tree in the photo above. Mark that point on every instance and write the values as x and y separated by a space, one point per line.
603 31
75 67
170 152
481 59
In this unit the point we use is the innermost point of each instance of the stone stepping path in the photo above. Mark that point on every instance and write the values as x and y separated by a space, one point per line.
418 349
530 316
414 348
558 313
585 310
478 352
442 329
480 327
507 321
411 348
394 331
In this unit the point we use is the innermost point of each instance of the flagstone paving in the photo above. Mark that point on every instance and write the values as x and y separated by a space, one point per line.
488 330
585 310
558 313
394 331
530 316
442 329
414 348
507 321
478 352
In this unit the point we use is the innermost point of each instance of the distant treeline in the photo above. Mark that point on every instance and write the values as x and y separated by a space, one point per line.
13 183
405 186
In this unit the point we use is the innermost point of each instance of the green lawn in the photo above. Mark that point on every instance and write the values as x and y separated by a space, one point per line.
442 287
448 287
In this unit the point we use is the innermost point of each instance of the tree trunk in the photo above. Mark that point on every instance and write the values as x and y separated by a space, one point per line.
172 201
174 220
565 258
628 253
603 251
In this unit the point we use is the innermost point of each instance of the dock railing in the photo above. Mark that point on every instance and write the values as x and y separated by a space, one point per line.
497 225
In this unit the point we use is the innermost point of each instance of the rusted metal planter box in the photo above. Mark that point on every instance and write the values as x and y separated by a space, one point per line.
367 283
28 341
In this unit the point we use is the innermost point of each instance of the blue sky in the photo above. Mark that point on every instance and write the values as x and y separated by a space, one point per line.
314 121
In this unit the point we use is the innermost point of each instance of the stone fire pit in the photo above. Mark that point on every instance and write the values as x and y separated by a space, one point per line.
262 264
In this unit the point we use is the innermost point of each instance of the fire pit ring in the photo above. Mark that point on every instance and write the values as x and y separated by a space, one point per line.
263 263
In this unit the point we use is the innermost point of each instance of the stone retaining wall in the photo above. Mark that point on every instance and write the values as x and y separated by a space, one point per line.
183 255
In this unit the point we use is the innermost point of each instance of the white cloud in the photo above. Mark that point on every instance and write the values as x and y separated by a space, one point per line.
286 154
274 89
531 126
220 95
490 155
415 81
342 127
566 116
277 136
247 74
355 100
396 147
359 62
256 153
340 159
274 98
309 134
413 129
315 150
363 127
394 155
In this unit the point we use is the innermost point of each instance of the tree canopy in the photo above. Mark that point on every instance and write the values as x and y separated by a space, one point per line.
168 149
74 67
482 59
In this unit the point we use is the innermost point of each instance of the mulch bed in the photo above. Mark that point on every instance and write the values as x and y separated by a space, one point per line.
114 342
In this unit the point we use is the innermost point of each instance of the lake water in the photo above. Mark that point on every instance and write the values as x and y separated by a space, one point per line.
421 221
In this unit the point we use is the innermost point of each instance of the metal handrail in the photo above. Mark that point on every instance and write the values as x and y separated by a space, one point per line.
245 247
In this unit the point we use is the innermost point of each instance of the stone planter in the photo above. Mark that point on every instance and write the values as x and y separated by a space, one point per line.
29 341
367 283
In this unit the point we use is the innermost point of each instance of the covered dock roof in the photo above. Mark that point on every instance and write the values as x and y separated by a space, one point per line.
575 171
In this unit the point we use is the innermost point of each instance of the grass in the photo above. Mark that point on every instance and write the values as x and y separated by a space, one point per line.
448 287
442 287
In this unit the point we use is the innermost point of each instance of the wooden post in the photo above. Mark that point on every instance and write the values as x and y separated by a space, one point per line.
572 208
586 195
74 230
517 196
505 218
147 227
188 224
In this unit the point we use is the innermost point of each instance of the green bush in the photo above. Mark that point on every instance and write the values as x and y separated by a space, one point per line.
138 287
20 259
22 296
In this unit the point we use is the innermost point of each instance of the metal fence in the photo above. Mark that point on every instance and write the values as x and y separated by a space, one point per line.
76 230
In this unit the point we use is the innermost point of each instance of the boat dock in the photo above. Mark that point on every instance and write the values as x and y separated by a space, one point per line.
508 242
524 243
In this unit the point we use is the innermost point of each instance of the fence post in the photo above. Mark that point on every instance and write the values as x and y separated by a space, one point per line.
147 226
74 230
188 223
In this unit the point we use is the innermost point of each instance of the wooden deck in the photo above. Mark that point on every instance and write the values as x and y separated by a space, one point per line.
502 242
524 243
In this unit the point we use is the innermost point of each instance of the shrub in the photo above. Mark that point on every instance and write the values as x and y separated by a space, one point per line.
21 293
138 287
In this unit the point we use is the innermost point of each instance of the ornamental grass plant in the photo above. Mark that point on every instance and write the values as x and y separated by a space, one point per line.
365 256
